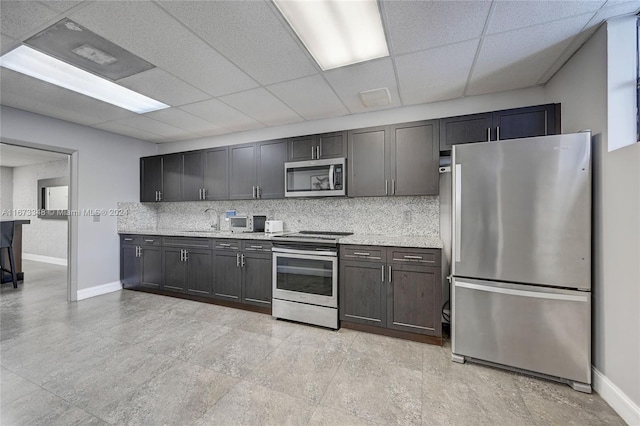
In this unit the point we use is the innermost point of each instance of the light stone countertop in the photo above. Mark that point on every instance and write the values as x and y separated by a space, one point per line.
421 241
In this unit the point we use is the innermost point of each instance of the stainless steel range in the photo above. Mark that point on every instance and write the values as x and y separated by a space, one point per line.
305 277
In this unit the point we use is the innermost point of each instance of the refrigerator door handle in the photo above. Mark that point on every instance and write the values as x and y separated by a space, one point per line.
458 212
523 293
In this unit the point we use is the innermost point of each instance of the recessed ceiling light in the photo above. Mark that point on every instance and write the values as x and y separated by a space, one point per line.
29 61
337 32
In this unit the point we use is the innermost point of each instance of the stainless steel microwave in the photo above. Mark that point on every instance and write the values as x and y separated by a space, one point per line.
316 178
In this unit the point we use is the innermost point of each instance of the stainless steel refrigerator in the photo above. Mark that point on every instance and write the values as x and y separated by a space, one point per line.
521 255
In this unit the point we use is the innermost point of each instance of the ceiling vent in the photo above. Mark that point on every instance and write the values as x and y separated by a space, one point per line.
375 97
75 45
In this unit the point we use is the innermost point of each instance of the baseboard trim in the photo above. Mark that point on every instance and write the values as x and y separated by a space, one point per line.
617 399
85 293
45 259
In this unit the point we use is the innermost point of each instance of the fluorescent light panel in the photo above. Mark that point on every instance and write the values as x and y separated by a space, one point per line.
29 61
337 32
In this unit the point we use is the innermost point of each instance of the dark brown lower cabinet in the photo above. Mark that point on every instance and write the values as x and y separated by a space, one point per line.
187 265
391 288
140 261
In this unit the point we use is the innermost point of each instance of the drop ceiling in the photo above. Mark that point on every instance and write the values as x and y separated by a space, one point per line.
231 66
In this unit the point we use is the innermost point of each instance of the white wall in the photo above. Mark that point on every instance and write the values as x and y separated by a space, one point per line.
6 190
108 172
589 88
468 105
42 237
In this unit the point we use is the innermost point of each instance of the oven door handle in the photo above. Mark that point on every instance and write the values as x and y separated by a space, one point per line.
332 179
298 254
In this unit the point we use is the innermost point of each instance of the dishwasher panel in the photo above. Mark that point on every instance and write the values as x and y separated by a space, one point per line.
539 329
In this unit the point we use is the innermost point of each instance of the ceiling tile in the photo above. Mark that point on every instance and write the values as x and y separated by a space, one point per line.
6 44
263 106
19 18
615 8
121 129
419 25
27 93
61 6
156 127
519 58
311 97
164 87
435 74
222 115
349 81
509 15
183 120
149 32
258 43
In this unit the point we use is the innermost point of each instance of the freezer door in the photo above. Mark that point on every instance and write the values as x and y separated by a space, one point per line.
522 210
539 329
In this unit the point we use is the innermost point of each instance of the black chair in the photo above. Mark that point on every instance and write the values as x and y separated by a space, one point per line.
6 231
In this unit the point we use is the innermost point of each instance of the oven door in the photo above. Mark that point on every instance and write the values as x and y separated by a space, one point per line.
307 278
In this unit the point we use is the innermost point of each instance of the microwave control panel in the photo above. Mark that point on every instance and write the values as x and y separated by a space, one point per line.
338 177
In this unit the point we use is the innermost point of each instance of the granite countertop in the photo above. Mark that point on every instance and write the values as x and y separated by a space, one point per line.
421 241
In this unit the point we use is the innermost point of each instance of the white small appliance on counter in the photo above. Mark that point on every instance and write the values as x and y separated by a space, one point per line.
272 226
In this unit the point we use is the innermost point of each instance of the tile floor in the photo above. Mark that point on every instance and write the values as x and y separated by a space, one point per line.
140 359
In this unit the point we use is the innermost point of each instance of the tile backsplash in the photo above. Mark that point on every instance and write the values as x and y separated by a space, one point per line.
368 215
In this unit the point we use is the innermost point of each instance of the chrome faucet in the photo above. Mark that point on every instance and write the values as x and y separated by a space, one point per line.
216 225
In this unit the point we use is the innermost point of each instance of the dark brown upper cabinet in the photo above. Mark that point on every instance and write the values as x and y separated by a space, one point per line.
540 120
257 170
401 159
316 147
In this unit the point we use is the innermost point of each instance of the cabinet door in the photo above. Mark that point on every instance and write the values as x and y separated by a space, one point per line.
465 129
332 145
192 175
171 177
270 168
226 276
414 299
526 122
242 171
302 148
216 174
414 158
199 272
174 269
150 178
129 265
366 169
363 292
151 267
256 279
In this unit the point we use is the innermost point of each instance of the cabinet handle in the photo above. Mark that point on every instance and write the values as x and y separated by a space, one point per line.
253 192
181 255
312 152
488 134
224 245
242 260
159 195
319 151
389 274
186 255
237 260
361 253
498 133
204 193
393 187
256 247
149 241
258 191
382 271
128 239
413 257
386 187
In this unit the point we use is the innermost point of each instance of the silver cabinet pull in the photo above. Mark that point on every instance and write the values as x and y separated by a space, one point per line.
312 153
159 195
256 247
389 273
319 151
186 255
128 239
238 260
242 260
200 194
361 253
393 187
413 257
149 241
139 251
224 245
204 193
258 191
253 192
386 187
382 271
498 133
488 134
181 255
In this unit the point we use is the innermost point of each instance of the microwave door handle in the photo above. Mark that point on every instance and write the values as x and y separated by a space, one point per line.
332 184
